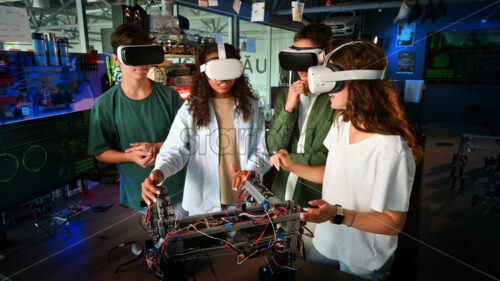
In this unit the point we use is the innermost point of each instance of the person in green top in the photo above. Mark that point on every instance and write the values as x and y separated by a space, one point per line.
129 122
301 123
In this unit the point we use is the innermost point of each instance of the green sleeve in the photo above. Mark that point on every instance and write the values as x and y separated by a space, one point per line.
282 125
311 159
316 152
102 132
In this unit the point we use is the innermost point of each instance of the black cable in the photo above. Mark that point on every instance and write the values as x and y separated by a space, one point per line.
42 228
59 226
212 269
53 233
193 267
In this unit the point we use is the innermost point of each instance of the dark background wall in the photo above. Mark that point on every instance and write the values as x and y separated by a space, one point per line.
442 102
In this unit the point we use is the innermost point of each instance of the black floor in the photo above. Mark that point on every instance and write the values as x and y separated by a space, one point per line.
459 241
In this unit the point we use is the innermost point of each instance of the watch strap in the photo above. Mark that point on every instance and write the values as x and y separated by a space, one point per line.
339 215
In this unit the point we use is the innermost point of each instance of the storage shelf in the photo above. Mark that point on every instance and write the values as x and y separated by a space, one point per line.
176 56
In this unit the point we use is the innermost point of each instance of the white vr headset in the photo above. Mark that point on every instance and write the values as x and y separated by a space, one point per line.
330 78
222 68
300 59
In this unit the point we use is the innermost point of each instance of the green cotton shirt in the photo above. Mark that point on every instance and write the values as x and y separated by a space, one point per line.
116 121
284 133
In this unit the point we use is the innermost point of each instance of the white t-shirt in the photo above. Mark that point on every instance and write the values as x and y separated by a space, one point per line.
305 106
372 175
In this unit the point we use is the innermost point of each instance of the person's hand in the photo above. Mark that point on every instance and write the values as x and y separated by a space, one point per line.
298 88
282 160
324 212
240 177
142 146
143 158
149 186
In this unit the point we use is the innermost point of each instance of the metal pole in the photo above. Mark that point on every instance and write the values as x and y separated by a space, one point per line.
82 25
270 46
235 31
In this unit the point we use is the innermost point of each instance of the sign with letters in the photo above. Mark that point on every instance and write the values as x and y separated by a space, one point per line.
14 25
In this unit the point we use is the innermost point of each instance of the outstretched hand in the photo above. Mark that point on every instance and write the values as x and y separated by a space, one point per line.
149 186
282 160
240 177
324 212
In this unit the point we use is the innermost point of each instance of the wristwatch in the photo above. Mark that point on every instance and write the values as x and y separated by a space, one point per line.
339 216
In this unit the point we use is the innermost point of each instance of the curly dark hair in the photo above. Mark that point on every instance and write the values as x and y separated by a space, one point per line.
373 104
202 93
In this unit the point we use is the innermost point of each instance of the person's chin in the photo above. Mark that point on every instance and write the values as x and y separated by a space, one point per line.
303 77
141 75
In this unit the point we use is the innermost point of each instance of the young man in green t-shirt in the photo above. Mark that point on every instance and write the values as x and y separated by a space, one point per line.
129 122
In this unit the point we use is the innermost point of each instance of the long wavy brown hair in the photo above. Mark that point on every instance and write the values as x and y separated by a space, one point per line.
373 106
202 93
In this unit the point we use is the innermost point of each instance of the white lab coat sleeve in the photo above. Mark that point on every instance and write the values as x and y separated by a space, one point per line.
175 151
258 159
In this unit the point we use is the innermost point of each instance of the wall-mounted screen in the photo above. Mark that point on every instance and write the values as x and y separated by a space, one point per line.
463 57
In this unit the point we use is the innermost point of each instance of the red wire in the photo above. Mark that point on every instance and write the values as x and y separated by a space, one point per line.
261 234
147 214
283 208
230 248
278 254
241 199
165 246
311 234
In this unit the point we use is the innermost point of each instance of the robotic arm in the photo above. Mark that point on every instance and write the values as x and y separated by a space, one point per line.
260 222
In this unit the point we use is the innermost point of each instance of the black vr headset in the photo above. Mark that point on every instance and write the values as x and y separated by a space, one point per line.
300 59
330 78
137 55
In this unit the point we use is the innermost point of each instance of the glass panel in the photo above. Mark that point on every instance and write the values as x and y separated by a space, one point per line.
98 18
255 49
59 17
281 39
207 24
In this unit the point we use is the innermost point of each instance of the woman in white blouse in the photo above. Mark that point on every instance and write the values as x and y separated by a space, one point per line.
368 175
218 133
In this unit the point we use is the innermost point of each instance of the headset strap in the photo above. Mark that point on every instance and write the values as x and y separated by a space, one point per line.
359 74
349 75
222 51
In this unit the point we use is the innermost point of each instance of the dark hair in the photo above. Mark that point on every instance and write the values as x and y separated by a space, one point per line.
129 34
318 33
373 104
202 93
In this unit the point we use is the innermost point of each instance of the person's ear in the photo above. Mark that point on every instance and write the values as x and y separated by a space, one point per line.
115 58
321 58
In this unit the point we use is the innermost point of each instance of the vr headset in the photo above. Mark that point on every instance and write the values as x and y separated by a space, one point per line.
222 68
300 59
330 78
137 55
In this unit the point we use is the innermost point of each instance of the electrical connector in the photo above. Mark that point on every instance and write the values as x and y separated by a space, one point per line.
159 243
